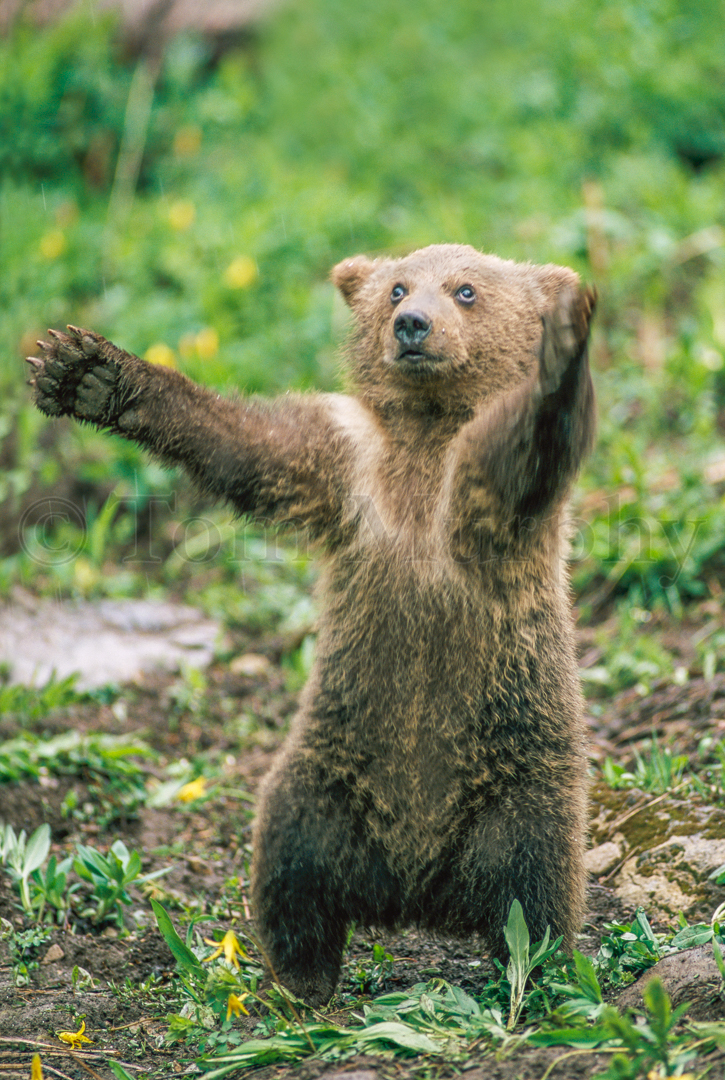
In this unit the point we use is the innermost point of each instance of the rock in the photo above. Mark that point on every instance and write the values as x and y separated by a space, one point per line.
250 664
113 641
673 876
603 858
691 975
54 953
670 847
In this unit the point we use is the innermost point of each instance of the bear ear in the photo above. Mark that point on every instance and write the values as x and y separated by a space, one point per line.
350 275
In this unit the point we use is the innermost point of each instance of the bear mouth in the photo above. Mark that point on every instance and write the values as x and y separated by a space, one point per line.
416 356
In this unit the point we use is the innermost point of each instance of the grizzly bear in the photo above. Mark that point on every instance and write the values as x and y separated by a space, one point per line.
436 768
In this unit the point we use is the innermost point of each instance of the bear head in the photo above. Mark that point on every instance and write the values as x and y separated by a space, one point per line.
445 326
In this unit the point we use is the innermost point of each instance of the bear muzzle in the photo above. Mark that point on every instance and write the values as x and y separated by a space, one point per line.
411 328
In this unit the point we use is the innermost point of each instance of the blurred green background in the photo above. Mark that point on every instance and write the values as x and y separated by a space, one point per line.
192 214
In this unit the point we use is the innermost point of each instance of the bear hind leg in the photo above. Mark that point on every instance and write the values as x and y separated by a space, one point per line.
537 860
313 873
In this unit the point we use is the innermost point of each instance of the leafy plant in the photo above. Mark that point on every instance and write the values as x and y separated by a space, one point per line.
109 877
631 656
564 1006
29 703
23 946
367 977
657 771
580 995
649 1046
108 763
22 858
627 950
523 961
50 887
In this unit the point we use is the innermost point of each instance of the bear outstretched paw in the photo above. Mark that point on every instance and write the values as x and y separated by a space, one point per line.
565 335
76 376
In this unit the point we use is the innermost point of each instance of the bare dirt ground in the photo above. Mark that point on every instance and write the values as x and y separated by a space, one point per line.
208 848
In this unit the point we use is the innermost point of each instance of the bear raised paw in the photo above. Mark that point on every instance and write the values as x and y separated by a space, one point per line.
436 768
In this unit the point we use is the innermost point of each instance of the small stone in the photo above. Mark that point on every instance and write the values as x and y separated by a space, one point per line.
54 953
251 664
197 865
600 860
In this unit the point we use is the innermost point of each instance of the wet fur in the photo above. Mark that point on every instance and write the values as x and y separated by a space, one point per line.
435 770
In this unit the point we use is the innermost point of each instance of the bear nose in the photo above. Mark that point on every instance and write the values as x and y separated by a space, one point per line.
411 327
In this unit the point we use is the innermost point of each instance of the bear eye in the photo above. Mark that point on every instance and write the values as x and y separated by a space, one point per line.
466 294
399 291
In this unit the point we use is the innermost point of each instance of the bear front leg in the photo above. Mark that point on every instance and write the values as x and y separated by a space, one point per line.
83 375
282 461
519 454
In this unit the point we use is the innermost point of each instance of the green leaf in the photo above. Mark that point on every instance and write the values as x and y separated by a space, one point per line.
153 875
516 933
399 1034
182 954
544 950
133 867
691 936
588 982
466 1004
36 851
93 862
581 1036
642 922
713 1031
658 1002
118 1070
121 852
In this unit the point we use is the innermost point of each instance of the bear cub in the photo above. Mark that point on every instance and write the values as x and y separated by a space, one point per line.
436 768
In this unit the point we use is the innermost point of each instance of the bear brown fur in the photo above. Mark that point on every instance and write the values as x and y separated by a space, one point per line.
436 769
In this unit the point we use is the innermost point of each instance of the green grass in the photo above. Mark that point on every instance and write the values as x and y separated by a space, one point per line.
570 133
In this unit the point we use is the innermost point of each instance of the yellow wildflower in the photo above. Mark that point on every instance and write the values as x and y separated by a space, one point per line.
53 244
160 353
229 945
240 273
207 343
36 1069
85 574
182 214
193 790
235 1005
75 1039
